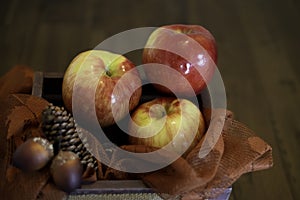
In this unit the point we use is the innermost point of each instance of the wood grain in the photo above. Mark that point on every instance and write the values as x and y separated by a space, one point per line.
258 46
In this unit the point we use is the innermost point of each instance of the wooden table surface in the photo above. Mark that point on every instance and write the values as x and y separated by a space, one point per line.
258 44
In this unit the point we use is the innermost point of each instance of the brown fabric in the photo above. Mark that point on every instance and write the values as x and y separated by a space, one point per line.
50 192
177 178
18 80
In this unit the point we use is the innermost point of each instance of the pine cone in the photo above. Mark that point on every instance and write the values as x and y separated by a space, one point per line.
60 129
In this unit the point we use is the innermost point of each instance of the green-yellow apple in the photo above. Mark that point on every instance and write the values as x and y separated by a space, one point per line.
163 121
189 49
105 83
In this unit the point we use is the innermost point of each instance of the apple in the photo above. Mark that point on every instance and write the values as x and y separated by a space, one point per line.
101 82
189 49
167 120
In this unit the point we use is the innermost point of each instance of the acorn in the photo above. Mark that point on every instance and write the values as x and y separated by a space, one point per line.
66 170
33 154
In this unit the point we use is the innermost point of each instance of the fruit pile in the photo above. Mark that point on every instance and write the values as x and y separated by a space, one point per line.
115 85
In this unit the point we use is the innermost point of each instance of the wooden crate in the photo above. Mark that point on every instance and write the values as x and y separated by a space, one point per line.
49 86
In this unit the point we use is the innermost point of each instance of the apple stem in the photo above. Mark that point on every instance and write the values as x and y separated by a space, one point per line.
107 72
162 114
157 112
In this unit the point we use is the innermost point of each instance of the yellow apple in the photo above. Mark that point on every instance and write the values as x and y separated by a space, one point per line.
167 121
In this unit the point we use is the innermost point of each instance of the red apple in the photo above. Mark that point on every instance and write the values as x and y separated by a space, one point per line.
189 49
163 121
101 82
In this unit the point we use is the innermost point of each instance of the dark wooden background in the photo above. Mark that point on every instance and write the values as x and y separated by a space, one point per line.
258 43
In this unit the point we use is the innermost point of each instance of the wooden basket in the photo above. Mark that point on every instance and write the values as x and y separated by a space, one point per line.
49 87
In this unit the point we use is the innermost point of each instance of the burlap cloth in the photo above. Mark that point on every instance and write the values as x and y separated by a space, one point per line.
238 151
